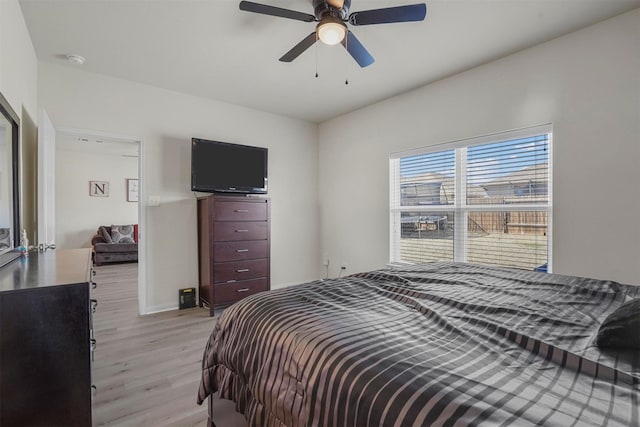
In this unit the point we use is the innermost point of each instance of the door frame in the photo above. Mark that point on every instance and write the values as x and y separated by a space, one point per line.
45 183
142 229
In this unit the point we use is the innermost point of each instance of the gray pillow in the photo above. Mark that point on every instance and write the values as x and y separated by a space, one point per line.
621 329
5 238
122 233
105 234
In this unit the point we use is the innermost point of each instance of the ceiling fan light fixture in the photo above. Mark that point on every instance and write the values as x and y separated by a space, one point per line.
331 31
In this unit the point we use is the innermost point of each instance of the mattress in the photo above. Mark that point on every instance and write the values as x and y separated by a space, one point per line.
443 344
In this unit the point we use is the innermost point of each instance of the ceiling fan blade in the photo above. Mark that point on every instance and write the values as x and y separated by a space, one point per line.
409 13
264 9
297 50
357 50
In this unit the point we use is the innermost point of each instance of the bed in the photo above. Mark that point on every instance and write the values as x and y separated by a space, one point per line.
442 344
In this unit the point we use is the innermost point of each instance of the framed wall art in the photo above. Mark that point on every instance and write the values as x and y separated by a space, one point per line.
132 190
99 188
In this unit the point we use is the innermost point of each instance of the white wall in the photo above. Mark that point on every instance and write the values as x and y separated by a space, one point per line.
79 215
18 83
586 83
18 62
166 121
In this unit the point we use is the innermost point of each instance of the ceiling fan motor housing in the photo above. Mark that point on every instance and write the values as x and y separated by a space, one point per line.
323 8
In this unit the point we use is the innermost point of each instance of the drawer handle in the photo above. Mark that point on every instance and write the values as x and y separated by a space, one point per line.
94 285
242 231
242 210
242 270
243 290
242 250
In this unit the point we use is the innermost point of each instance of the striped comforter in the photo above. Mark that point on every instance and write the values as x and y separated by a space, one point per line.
442 344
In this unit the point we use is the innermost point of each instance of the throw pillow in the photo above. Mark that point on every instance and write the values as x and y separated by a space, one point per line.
621 329
5 238
122 233
105 234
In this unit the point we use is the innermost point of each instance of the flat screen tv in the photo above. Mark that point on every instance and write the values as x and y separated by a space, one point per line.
221 167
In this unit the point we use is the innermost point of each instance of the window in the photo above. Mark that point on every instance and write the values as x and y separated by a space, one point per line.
486 200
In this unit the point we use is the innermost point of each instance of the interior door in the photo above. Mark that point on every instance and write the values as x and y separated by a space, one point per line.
46 180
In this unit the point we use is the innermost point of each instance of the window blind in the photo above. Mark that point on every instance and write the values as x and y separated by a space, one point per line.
485 201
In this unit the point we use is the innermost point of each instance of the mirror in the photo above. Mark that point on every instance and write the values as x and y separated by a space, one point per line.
9 183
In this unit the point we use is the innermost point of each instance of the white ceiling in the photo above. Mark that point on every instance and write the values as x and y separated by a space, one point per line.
210 48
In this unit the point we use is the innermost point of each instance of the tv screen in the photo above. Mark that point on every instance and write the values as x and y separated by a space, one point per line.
228 168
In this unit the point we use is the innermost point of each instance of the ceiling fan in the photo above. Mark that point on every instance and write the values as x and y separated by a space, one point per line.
332 16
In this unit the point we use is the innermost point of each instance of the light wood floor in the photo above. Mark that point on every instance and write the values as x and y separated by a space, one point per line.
147 368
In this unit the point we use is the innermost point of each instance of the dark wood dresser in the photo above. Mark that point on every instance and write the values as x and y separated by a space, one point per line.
46 339
233 248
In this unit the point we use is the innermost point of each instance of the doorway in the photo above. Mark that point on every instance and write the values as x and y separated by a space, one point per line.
98 182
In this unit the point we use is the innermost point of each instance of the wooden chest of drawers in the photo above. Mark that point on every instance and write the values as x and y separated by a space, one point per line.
233 248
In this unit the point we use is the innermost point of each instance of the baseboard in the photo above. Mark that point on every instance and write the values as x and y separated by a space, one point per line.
161 308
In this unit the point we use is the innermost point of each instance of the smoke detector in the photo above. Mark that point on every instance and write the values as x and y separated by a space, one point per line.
76 59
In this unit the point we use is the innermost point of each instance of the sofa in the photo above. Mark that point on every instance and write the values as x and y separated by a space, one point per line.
115 243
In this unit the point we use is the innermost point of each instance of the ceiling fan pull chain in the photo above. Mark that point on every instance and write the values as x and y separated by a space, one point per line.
346 62
316 61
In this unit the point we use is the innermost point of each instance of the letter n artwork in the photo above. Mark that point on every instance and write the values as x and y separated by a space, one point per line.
99 188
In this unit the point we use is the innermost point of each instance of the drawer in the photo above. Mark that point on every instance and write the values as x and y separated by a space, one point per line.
240 270
238 251
231 292
240 211
225 231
